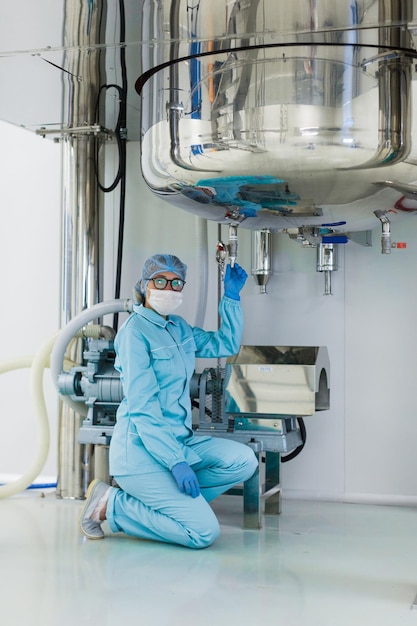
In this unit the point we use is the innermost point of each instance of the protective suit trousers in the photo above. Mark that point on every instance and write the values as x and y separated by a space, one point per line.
150 505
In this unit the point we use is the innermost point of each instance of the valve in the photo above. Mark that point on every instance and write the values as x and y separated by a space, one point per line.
227 250
327 263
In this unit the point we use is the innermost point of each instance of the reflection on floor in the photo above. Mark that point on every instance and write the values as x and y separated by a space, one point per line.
317 564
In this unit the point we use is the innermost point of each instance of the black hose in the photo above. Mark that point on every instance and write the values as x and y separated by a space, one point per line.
296 452
120 134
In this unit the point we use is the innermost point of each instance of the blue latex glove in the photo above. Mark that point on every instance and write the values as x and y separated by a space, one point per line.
234 279
186 479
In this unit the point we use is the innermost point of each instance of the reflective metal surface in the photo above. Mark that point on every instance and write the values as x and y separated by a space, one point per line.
262 381
261 258
81 213
275 114
265 113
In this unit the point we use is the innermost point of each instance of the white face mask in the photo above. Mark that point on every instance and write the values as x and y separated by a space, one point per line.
164 301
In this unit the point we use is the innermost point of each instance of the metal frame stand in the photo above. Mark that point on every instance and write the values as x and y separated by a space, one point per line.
262 492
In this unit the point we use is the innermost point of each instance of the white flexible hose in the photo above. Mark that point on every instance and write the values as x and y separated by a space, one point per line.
38 363
21 362
77 322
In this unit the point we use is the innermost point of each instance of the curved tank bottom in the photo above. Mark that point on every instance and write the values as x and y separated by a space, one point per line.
344 217
273 114
298 181
317 166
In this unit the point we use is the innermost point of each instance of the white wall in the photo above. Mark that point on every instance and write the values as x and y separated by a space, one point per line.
381 340
295 312
362 449
30 200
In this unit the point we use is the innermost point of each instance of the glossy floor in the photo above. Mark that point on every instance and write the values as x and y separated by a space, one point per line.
317 564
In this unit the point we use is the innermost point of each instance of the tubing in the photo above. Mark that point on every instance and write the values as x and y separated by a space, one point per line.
97 331
22 362
39 362
42 486
77 322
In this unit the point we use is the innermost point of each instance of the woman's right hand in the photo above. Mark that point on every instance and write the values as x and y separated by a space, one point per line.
186 479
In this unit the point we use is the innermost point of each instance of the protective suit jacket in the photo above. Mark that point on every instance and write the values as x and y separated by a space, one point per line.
156 360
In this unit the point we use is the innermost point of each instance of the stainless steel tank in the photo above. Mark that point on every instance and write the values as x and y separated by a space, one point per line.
277 114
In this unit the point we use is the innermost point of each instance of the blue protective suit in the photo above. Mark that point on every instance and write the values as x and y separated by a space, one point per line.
156 360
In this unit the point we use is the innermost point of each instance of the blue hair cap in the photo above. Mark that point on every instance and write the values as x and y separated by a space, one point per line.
157 264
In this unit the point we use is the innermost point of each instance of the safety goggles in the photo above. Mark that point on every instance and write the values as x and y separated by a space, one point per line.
177 284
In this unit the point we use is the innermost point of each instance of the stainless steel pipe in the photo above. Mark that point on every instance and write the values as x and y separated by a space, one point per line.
81 208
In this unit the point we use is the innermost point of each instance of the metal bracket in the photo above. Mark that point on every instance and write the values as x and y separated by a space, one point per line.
94 129
362 237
